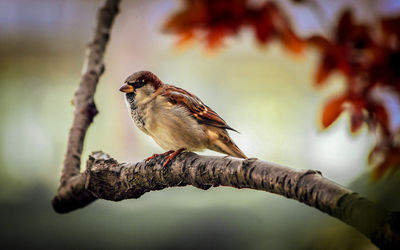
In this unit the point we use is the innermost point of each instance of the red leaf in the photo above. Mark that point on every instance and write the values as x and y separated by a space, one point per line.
357 116
356 122
344 27
292 42
380 114
390 28
184 39
319 42
325 68
332 110
215 38
260 19
263 31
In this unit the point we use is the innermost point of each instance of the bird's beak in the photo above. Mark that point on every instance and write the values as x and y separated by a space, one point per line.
126 88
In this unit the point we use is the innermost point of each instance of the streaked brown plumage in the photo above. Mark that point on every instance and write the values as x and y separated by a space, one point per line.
176 119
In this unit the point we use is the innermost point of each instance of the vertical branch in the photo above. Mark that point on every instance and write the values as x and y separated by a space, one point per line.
85 108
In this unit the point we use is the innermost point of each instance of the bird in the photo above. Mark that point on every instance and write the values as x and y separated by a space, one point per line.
176 119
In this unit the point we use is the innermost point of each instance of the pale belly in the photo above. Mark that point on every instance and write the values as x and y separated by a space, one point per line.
173 129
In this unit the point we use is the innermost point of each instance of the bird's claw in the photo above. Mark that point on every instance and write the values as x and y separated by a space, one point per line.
156 155
151 157
172 156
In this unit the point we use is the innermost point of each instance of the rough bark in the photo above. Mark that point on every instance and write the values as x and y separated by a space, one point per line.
107 179
85 110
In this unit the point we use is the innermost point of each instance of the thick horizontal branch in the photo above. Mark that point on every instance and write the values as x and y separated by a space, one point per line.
107 179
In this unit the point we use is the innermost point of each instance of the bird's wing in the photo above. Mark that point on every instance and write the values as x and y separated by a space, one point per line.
201 112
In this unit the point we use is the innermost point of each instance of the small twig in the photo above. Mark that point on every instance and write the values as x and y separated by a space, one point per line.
85 108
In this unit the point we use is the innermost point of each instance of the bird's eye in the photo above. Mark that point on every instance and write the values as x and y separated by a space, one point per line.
139 83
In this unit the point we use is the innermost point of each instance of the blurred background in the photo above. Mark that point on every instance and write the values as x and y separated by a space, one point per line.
264 92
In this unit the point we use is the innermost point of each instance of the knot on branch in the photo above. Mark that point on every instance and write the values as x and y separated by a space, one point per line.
311 171
109 180
90 110
99 157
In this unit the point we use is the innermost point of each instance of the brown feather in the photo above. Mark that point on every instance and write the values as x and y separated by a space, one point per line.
201 112
221 142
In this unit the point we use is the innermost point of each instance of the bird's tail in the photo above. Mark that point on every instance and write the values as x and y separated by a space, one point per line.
225 145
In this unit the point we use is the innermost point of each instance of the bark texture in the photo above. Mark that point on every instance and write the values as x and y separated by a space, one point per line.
110 180
85 111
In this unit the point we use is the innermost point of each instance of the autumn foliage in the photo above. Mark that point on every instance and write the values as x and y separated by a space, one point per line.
213 21
368 56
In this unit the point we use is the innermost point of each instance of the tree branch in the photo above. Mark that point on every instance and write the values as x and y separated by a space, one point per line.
85 110
107 179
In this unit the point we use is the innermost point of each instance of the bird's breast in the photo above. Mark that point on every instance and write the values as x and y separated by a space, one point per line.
138 116
171 126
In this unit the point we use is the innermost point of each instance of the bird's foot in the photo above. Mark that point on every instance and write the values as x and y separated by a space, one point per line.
172 156
163 154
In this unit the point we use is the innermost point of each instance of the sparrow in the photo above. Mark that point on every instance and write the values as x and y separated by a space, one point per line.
176 119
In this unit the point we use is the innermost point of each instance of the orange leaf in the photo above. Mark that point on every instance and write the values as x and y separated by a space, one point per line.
184 39
292 42
332 110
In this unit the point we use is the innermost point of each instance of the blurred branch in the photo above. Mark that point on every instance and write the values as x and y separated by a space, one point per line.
85 111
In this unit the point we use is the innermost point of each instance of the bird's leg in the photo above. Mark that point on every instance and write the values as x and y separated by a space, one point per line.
163 154
172 156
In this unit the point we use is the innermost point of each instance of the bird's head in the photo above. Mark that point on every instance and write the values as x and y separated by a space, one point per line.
141 84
